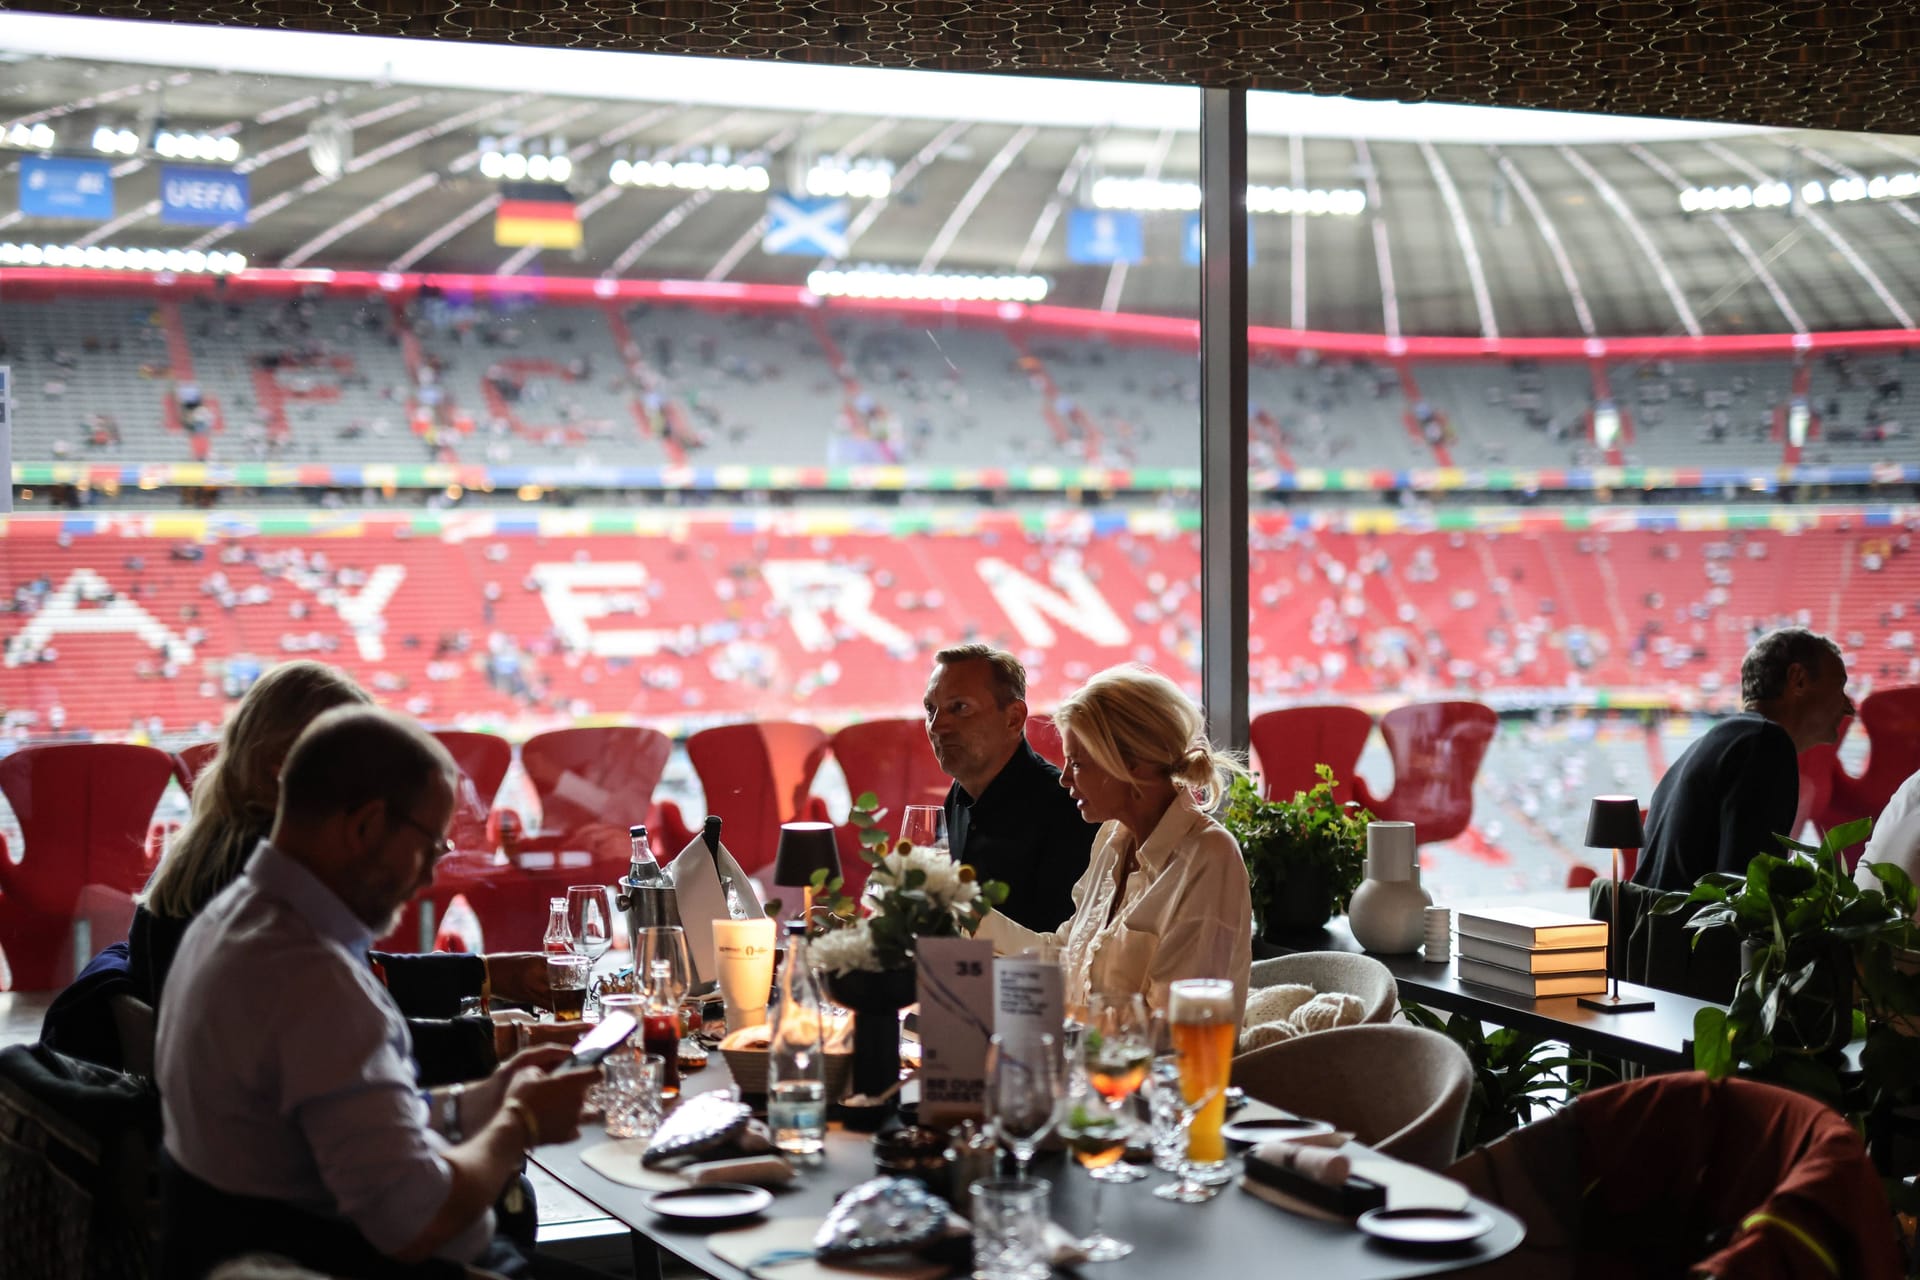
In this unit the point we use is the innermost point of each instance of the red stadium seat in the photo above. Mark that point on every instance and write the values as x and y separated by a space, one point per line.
1437 748
484 759
191 762
1292 741
84 812
892 759
1891 718
756 776
1043 735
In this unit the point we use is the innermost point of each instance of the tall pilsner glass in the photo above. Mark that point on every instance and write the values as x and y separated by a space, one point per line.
1200 1012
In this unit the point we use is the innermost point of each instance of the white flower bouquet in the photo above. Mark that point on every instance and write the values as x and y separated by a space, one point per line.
912 892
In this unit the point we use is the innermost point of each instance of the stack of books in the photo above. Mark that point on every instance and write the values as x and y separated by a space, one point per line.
1533 952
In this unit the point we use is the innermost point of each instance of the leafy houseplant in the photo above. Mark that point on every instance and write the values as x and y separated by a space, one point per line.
1305 856
1511 1077
1824 961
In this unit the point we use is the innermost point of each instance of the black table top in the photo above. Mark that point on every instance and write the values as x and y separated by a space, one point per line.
1660 1038
1232 1237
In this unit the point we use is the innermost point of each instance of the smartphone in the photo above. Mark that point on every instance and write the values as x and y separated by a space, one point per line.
613 1031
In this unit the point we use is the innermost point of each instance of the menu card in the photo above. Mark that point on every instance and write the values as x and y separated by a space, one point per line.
956 1018
1029 999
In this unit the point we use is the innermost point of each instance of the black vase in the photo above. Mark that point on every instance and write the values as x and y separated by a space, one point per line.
876 1000
1300 901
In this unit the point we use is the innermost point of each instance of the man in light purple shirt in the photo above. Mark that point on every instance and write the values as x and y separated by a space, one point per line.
284 1067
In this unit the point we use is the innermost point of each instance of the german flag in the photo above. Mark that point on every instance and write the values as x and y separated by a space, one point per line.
536 213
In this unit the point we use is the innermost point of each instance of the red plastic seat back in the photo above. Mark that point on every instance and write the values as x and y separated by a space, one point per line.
1292 741
892 759
595 777
1891 718
756 776
191 762
1437 748
484 759
1043 735
83 810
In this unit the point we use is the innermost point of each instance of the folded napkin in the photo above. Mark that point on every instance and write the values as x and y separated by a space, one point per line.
700 877
620 1162
782 1249
1408 1185
1329 1168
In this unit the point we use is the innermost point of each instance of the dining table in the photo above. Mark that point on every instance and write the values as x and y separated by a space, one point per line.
1231 1237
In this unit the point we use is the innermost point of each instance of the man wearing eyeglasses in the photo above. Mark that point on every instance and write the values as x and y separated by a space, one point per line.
293 1116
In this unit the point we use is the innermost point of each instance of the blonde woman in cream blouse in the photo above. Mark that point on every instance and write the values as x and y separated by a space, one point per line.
1165 896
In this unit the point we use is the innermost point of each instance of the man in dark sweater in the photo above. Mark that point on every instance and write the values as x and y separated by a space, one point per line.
1007 815
1732 791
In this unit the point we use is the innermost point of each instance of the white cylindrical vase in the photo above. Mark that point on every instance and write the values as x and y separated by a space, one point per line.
1388 913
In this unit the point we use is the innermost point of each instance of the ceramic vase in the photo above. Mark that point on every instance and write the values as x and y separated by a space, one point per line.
1388 912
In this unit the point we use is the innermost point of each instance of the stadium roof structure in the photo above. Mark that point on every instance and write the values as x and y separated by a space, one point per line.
1490 225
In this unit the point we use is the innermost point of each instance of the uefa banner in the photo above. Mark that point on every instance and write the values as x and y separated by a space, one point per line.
57 187
199 197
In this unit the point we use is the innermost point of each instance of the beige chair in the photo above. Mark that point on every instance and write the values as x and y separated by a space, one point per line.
1357 975
1400 1090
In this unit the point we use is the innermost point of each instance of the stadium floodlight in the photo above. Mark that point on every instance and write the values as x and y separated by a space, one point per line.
31 137
878 282
1156 195
118 258
1778 195
689 175
115 142
867 178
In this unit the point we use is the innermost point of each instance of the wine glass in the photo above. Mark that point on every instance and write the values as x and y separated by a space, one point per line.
1023 1093
1097 1132
666 942
1116 1048
590 916
1189 1189
925 826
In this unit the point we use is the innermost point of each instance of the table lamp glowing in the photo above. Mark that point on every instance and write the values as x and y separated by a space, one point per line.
805 847
1613 822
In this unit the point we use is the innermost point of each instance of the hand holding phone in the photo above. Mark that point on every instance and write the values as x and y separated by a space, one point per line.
613 1031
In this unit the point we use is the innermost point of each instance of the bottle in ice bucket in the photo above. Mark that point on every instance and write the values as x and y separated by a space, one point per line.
558 939
642 868
660 1030
796 1073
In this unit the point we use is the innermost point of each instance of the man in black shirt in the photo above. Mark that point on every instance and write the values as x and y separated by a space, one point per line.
1734 789
1007 815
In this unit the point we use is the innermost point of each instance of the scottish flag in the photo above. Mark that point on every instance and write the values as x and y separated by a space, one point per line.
814 227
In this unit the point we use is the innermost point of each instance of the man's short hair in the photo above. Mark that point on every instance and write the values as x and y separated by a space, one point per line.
351 755
1009 678
1763 672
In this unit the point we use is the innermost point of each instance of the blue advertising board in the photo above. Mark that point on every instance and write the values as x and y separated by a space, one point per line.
1103 236
56 187
198 197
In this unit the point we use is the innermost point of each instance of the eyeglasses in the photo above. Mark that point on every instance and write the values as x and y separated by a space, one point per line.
442 845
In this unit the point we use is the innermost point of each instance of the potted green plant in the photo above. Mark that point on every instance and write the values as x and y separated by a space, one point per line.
1515 1074
1824 961
1305 856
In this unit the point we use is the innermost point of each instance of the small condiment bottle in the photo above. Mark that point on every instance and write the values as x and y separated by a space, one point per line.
970 1152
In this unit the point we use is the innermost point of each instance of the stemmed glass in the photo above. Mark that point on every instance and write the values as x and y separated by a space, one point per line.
666 942
590 916
1097 1130
1023 1093
1116 1048
924 826
1189 1189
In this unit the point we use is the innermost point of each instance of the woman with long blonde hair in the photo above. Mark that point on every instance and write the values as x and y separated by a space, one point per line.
1165 896
233 805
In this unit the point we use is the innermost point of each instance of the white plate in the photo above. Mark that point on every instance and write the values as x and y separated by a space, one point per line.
715 1200
1429 1228
1271 1128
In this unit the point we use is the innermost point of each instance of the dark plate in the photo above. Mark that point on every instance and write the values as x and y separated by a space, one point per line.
709 1203
1251 1132
1425 1228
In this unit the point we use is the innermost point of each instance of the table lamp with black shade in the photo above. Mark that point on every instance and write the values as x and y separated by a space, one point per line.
805 847
1613 822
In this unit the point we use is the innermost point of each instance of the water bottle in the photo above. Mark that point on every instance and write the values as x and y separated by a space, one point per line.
558 939
796 1071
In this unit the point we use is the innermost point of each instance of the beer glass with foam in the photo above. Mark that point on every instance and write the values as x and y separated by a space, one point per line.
1200 1012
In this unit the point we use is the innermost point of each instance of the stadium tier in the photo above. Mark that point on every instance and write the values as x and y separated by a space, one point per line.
276 371
679 620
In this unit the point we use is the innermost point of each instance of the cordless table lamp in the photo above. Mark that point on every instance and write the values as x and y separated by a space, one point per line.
1613 822
805 847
